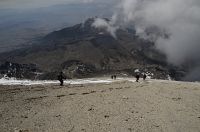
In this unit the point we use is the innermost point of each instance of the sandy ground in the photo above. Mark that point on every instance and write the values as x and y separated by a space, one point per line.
122 106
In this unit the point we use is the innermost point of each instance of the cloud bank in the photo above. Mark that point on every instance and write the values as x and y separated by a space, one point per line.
174 25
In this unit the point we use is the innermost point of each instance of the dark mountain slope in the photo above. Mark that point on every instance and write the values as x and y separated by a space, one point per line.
82 51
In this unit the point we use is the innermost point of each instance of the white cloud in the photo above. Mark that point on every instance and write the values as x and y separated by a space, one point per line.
107 25
179 18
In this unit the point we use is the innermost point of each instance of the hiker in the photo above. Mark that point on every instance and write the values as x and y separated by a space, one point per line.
115 77
137 77
60 78
112 77
144 76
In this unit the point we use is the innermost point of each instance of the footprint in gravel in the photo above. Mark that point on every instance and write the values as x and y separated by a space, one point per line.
35 98
156 125
20 130
103 91
91 109
118 88
83 130
130 129
72 93
106 116
93 92
24 116
85 93
111 89
176 99
59 96
58 115
134 112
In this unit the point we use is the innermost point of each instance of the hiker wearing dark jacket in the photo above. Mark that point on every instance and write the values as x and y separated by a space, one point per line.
137 77
61 77
144 76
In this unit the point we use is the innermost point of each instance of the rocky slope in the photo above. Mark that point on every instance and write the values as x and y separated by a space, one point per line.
84 51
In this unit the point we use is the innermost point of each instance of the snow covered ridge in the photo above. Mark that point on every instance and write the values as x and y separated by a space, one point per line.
14 81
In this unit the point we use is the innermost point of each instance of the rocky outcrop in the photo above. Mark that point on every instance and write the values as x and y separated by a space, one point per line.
29 71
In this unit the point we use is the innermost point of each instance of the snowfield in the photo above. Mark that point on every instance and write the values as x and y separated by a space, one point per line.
13 81
105 80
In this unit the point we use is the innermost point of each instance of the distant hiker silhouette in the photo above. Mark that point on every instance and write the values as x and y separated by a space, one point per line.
137 77
60 78
115 77
144 76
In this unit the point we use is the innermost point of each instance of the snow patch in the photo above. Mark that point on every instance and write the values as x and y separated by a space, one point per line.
137 71
149 75
169 78
14 81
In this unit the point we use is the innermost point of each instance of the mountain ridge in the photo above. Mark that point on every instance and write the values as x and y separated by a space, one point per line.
83 50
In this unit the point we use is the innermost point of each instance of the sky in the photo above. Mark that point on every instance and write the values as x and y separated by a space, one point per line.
37 3
24 4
